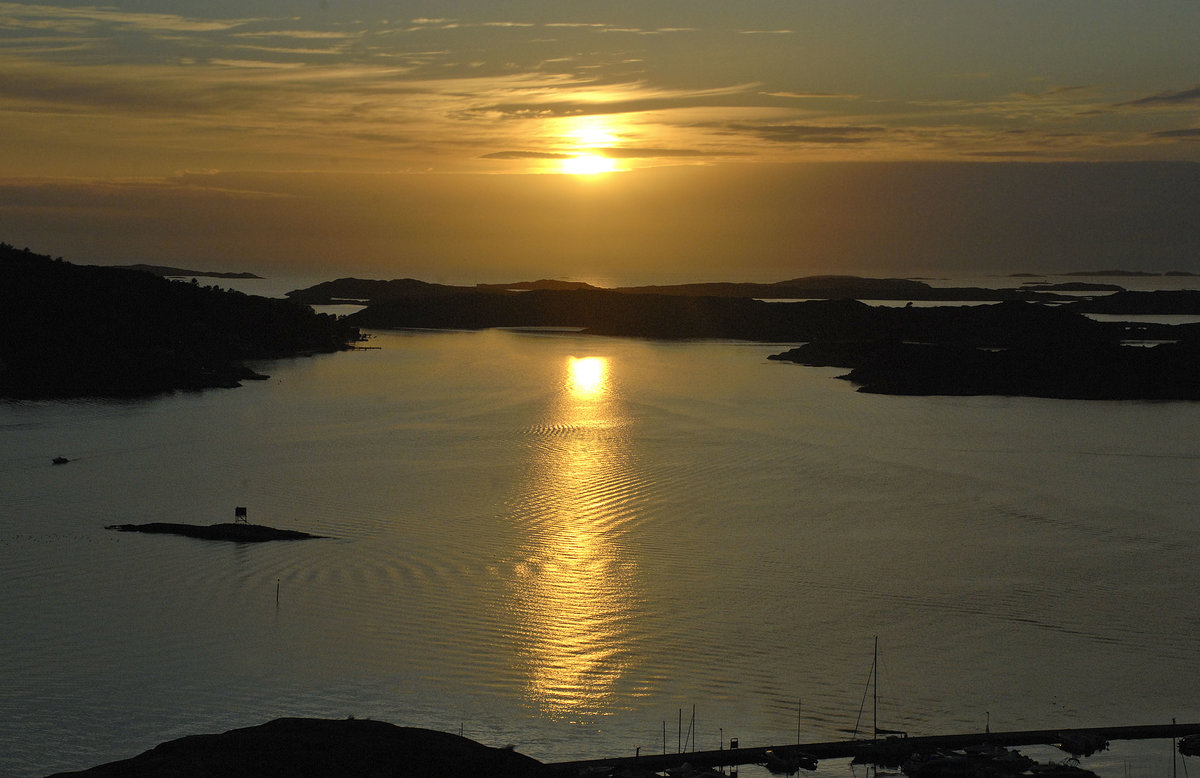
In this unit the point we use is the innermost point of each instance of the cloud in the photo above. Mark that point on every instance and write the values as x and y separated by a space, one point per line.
808 133
85 17
615 99
652 153
1180 97
611 153
1191 133
526 155
812 95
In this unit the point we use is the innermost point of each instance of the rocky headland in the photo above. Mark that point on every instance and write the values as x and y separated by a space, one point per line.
319 748
180 272
84 331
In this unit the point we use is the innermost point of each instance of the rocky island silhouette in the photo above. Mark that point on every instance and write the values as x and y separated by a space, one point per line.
77 330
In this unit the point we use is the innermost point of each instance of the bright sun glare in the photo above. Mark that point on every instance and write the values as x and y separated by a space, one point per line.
587 375
585 139
588 165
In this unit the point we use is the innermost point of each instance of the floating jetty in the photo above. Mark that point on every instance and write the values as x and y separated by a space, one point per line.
865 750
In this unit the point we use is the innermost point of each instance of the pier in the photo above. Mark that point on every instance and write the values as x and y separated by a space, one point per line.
870 749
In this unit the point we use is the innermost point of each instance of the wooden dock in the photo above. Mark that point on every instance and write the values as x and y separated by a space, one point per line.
847 749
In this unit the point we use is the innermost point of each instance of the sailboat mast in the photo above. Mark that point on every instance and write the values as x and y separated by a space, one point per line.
875 687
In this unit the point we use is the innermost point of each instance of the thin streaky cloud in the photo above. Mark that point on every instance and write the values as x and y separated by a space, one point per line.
1180 97
1189 133
19 14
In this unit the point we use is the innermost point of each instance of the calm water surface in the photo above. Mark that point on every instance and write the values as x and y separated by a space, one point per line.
560 542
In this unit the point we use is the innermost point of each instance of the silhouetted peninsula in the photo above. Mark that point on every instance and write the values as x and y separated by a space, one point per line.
807 288
1071 286
75 330
179 272
319 748
1184 301
240 533
1126 273
1088 371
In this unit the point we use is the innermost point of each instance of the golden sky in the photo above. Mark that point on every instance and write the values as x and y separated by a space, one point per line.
123 121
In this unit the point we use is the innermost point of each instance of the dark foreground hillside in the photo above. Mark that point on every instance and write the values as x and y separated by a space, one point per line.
318 748
75 331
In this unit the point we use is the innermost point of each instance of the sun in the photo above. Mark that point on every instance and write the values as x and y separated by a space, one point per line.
588 165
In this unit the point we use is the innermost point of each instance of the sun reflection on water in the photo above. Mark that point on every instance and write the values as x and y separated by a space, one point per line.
574 590
587 376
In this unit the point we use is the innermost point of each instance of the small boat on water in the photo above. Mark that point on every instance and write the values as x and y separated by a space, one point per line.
1190 745
1060 770
982 761
788 761
1079 744
59 460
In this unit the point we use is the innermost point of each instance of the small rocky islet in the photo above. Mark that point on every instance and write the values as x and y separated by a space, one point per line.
230 531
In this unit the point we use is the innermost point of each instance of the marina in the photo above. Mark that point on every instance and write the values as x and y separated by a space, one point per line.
888 751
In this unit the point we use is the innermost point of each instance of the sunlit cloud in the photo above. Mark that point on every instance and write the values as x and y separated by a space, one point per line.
88 17
812 95
95 89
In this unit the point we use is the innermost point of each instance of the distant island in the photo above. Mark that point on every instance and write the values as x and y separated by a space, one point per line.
826 287
319 748
1131 273
232 531
178 272
85 331
1071 286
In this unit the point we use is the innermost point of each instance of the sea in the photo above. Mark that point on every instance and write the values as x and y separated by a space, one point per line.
592 547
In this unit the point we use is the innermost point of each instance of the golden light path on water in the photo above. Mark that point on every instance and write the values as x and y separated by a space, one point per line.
572 590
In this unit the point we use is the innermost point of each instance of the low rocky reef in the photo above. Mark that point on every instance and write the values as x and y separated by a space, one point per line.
318 748
239 533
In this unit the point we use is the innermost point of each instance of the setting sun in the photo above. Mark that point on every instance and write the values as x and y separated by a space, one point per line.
588 165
